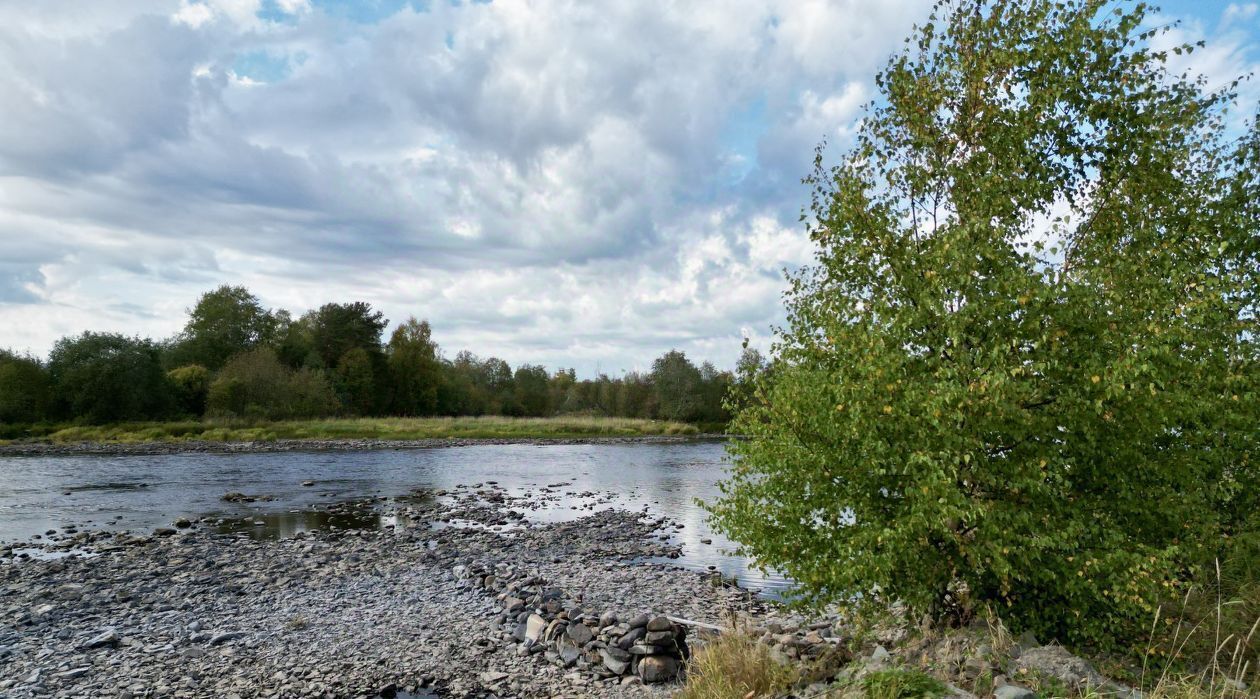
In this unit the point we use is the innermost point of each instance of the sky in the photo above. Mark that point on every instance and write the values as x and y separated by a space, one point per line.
574 184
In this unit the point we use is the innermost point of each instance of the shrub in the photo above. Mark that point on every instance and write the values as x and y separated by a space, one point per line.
255 384
106 377
1023 368
190 384
25 389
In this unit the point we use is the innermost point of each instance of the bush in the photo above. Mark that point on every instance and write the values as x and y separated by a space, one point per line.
106 377
1023 368
25 389
255 384
190 384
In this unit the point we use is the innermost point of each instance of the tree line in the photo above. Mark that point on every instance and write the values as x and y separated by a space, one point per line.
235 358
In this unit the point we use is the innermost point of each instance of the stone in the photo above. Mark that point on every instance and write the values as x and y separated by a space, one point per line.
535 626
554 629
616 660
1057 662
973 667
657 668
307 484
183 523
164 531
76 672
513 604
659 623
225 636
492 677
607 619
631 637
639 621
659 638
1011 691
880 655
569 651
109 637
580 633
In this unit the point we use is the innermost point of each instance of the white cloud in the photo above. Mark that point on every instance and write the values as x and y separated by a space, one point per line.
549 182
193 14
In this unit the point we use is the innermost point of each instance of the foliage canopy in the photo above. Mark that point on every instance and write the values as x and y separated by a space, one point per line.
1023 368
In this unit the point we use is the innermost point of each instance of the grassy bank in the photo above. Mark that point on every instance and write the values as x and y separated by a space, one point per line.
355 428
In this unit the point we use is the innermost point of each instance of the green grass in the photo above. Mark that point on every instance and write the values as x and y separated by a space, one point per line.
392 428
901 684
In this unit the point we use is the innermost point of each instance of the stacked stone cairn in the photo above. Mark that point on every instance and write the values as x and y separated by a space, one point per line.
648 648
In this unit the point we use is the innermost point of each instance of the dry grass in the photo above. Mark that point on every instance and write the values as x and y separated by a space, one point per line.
736 666
397 428
1213 640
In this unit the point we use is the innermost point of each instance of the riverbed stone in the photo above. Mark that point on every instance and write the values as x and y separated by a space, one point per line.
616 660
631 637
348 612
580 633
657 668
108 637
1011 691
535 627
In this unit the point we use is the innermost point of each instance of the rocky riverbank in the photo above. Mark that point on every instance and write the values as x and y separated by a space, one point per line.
284 445
449 606
462 596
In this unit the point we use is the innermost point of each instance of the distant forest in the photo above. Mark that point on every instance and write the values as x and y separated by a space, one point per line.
236 359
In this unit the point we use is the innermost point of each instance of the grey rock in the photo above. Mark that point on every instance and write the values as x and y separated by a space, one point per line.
1057 662
108 637
225 636
657 668
659 623
631 637
616 660
580 633
1010 691
492 677
639 621
659 638
76 672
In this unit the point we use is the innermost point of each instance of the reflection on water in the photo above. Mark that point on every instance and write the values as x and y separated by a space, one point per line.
562 482
282 525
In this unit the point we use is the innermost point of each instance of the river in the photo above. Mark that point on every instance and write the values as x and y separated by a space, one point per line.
38 494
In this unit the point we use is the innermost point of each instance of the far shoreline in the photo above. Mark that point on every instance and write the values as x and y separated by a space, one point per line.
36 448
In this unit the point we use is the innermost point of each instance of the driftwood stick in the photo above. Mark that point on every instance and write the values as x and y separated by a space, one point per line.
700 624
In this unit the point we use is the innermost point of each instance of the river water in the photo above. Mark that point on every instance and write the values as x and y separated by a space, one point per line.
38 494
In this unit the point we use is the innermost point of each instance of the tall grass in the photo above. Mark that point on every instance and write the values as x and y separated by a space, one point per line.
736 666
393 428
1208 649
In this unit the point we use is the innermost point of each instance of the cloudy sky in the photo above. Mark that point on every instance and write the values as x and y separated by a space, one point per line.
570 183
